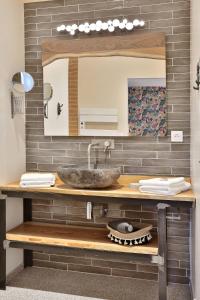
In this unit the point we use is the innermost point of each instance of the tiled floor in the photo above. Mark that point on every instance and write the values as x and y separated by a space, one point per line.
88 285
27 294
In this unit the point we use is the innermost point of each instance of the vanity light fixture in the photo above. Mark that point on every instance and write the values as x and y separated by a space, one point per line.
110 26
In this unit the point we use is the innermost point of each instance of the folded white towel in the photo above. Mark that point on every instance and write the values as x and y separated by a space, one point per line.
162 181
36 184
165 188
41 182
166 191
38 177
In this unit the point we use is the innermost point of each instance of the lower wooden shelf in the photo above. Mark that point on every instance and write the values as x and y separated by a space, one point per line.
74 237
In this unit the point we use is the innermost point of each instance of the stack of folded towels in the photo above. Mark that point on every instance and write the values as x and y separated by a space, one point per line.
37 180
164 186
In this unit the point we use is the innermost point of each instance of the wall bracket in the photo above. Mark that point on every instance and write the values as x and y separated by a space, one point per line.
157 259
6 244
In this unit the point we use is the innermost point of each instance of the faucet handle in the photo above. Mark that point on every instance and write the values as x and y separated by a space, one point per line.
107 145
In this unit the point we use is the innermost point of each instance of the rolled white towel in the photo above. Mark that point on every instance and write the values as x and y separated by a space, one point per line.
169 182
48 177
170 191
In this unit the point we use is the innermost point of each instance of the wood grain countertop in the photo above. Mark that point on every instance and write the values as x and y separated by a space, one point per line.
120 190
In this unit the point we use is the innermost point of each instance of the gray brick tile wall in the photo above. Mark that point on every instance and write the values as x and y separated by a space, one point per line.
168 16
134 155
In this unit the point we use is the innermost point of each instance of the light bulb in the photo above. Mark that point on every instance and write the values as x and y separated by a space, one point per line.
98 28
99 23
74 27
122 25
142 23
92 26
104 26
58 29
81 27
62 27
87 29
116 23
136 22
109 23
72 32
68 28
129 26
111 28
125 21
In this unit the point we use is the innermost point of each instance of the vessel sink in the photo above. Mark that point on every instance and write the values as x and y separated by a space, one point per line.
84 178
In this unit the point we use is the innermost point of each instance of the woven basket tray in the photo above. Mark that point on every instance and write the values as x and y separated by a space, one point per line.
140 235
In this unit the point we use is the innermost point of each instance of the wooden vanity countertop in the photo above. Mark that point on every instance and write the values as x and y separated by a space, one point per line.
120 190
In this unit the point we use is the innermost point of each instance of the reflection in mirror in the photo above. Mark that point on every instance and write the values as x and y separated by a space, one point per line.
121 96
55 77
147 106
48 91
108 86
102 94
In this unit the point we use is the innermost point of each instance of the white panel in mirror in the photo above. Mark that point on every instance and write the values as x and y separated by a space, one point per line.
103 91
56 108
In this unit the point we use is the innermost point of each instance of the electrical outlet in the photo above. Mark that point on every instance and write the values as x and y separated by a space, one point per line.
177 136
82 125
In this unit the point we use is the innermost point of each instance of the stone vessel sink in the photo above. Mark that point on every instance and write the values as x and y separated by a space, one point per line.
84 178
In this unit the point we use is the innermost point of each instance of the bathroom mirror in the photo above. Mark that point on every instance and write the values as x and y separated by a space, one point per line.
109 86
22 82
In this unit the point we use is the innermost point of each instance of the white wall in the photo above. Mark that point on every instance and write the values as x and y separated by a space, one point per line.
12 132
195 144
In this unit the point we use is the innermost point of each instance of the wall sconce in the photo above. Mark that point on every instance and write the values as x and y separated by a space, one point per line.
22 83
197 87
110 26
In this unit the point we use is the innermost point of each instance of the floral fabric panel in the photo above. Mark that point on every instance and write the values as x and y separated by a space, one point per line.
147 111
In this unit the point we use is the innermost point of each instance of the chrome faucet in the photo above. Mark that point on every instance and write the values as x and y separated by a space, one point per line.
107 151
96 145
105 145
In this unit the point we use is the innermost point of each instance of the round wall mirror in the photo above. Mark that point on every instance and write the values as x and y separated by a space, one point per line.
22 82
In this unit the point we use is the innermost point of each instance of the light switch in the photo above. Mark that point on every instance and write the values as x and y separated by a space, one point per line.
177 136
